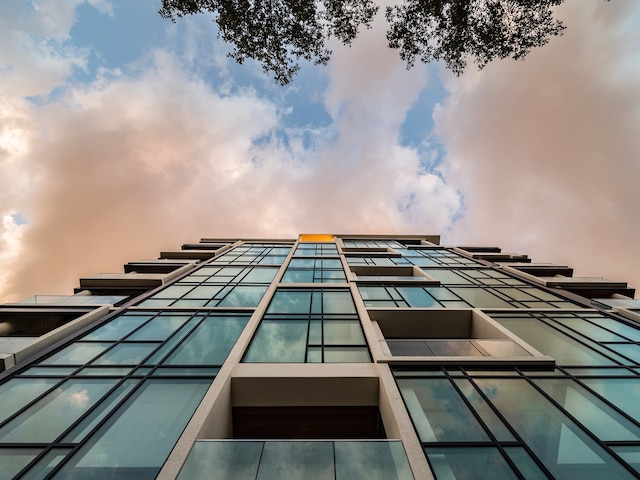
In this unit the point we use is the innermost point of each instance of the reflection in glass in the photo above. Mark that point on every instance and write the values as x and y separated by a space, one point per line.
346 355
562 446
624 393
12 460
224 460
297 461
592 412
210 343
244 296
630 454
371 461
45 420
126 354
47 463
564 349
77 353
290 301
279 341
343 460
117 328
438 412
464 463
342 332
525 464
137 439
18 392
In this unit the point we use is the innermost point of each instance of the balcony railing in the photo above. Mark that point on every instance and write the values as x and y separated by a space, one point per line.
317 459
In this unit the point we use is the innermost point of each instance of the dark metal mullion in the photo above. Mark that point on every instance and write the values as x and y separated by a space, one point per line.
60 381
578 423
512 430
177 345
99 425
469 406
321 323
545 321
600 397
549 320
77 367
460 299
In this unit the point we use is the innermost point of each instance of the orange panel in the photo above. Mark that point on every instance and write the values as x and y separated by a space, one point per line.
316 237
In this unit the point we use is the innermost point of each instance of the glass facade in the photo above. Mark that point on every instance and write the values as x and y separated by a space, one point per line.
487 374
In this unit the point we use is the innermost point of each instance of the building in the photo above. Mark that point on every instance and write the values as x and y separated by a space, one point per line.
325 356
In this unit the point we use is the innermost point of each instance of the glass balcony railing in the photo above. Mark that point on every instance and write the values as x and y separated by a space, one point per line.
454 348
317 459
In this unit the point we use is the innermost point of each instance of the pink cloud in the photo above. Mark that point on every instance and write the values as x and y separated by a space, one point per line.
546 150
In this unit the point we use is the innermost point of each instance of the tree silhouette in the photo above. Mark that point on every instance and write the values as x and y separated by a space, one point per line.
277 33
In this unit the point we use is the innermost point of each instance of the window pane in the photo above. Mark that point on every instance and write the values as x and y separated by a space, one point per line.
224 460
12 460
174 291
346 355
204 292
297 460
374 293
371 461
77 353
290 301
17 392
210 343
551 342
466 463
136 441
260 275
126 354
593 413
417 297
243 296
438 412
50 416
525 464
47 463
337 302
279 341
556 440
624 393
160 327
343 332
117 328
298 276
478 297
488 416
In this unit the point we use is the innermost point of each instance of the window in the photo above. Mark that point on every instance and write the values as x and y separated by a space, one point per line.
576 338
540 430
213 286
405 296
316 250
314 270
309 325
255 253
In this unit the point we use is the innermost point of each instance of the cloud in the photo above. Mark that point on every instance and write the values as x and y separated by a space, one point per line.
546 150
147 157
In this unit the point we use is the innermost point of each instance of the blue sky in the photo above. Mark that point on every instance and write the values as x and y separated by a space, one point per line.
122 133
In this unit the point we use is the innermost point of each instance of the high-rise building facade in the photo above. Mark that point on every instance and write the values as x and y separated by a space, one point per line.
324 357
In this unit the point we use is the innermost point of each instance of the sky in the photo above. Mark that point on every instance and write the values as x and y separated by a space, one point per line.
123 134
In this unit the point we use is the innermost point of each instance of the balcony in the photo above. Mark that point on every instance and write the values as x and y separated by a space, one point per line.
319 460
